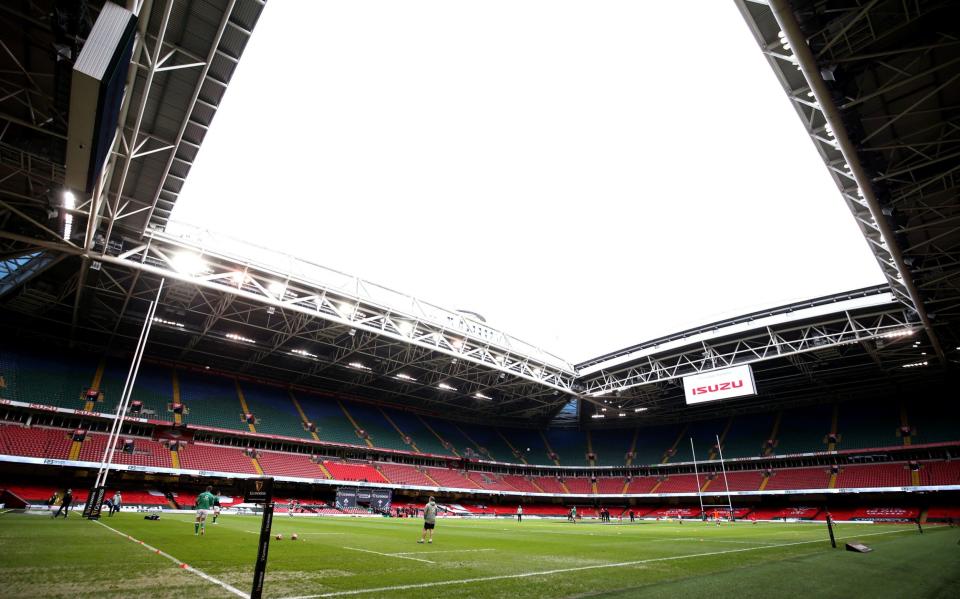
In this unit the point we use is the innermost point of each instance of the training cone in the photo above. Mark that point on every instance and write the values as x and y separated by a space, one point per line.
183 566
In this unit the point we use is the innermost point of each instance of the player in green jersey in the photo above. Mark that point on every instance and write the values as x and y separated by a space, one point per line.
205 501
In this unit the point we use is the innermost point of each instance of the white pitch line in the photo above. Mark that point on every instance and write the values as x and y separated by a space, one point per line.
299 534
187 567
425 585
444 551
390 555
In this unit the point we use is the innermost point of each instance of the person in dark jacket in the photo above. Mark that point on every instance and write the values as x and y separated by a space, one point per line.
65 504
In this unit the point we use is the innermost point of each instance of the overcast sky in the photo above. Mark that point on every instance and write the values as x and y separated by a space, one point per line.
586 175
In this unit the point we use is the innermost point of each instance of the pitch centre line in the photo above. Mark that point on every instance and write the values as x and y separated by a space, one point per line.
416 559
424 585
186 567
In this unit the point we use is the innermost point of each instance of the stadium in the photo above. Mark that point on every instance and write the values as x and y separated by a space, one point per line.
159 369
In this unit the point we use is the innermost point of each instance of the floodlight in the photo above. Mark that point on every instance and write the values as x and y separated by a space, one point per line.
479 395
69 200
640 409
405 377
446 387
405 328
276 288
358 366
188 263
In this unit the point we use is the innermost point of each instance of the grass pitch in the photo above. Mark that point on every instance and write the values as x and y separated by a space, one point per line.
357 557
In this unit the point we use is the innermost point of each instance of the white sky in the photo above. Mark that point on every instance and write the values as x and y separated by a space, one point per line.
587 175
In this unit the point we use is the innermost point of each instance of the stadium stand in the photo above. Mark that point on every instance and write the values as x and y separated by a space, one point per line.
414 427
747 435
876 475
371 420
653 443
803 430
529 444
569 445
50 379
680 483
153 387
611 446
35 442
211 401
275 413
450 478
934 425
492 482
642 484
405 475
737 481
450 433
285 464
578 485
521 483
549 484
146 452
798 478
332 423
704 434
353 471
489 443
864 424
607 485
940 473
200 456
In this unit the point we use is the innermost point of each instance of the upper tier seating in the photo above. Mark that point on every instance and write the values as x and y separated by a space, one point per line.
747 435
611 446
332 423
146 452
287 464
451 433
569 445
529 444
488 442
354 471
414 427
937 425
798 478
50 379
35 442
215 457
211 401
704 434
371 420
274 411
653 443
876 475
153 388
803 430
864 424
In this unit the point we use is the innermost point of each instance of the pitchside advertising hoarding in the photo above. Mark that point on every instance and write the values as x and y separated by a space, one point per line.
719 384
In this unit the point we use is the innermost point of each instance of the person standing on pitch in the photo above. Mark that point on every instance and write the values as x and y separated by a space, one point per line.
115 503
429 521
205 501
519 513
65 504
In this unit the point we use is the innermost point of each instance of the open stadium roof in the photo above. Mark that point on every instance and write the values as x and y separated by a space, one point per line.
875 90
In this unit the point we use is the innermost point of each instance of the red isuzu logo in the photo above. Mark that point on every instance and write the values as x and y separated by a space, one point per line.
718 387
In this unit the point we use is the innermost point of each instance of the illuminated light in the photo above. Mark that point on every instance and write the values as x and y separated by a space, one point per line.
405 377
500 359
170 323
276 288
457 343
536 372
640 409
445 387
241 338
621 414
405 328
597 416
303 352
358 366
900 333
603 409
238 278
69 203
479 395
188 263
346 310
915 364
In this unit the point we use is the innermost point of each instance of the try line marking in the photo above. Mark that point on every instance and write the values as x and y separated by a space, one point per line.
396 555
186 567
424 585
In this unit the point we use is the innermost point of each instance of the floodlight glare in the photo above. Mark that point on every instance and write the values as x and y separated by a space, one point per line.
479 395
405 377
276 288
188 263
446 387
69 200
358 366
405 328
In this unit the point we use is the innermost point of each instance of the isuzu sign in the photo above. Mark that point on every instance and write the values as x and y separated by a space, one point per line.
719 384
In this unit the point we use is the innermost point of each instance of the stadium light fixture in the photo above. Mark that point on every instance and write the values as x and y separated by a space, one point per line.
240 338
188 263
69 203
346 310
446 387
405 328
276 288
303 352
597 416
640 409
405 377
622 414
169 323
915 364
479 395
358 366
